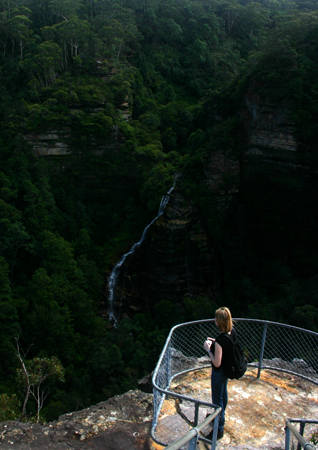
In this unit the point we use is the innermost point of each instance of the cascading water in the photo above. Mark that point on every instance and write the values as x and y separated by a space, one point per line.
115 272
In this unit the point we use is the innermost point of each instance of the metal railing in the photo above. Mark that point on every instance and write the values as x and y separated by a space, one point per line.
192 436
267 345
302 442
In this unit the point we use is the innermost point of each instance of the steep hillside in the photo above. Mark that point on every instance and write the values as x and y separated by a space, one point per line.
103 103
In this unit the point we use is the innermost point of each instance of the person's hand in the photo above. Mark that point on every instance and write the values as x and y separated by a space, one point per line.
207 344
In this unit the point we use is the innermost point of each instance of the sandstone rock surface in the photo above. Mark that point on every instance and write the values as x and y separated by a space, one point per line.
122 422
257 409
256 416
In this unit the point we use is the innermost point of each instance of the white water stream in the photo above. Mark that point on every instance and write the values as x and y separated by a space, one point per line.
115 272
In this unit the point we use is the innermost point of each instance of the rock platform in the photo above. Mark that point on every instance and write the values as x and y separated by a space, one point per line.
255 417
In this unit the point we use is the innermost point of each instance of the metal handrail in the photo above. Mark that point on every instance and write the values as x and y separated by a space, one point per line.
269 345
193 435
214 416
300 438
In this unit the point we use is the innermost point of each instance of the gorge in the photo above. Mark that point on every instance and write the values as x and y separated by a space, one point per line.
178 258
102 103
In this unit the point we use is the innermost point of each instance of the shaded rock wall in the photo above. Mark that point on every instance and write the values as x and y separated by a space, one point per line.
271 131
55 142
174 260
59 142
270 124
278 181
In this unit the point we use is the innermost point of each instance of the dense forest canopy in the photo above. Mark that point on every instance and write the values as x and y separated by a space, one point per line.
133 88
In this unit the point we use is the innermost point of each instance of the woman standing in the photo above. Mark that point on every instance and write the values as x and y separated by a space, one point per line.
218 350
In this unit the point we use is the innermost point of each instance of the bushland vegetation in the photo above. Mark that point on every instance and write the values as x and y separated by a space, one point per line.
76 68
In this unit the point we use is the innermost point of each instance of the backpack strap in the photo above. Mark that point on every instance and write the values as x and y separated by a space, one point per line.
231 336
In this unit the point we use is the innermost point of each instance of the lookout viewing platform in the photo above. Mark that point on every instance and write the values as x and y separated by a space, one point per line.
281 383
139 420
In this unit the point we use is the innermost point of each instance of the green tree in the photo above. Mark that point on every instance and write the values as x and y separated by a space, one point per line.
9 407
65 9
18 28
34 374
46 64
230 12
14 238
5 290
306 316
199 308
118 34
107 368
73 32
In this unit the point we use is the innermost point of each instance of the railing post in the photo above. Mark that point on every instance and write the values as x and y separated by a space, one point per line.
301 432
300 438
168 366
193 443
287 438
262 351
215 432
196 413
155 406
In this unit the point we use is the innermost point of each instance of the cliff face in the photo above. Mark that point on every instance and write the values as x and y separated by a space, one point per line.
271 181
272 134
173 261
278 179
270 126
59 143
223 165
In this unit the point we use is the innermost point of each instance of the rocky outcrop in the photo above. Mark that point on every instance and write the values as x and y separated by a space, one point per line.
118 423
271 133
256 415
269 125
59 142
271 129
271 138
54 142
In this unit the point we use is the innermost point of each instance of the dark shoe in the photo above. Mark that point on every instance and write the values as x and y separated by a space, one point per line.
220 435
209 436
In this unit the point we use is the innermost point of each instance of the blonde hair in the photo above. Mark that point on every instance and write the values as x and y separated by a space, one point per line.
224 318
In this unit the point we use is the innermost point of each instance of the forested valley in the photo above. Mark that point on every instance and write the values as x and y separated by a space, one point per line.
138 91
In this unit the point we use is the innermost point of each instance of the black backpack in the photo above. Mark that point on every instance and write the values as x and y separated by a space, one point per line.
236 364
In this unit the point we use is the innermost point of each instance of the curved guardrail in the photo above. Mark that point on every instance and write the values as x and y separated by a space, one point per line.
267 345
298 435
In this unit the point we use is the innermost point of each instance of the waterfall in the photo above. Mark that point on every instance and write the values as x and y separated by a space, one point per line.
115 272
